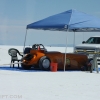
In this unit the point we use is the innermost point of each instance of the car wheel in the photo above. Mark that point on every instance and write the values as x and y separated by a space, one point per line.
26 67
44 63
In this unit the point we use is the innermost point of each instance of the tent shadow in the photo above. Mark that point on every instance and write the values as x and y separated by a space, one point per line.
33 69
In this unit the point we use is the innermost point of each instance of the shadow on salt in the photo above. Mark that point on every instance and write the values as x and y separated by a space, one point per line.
32 69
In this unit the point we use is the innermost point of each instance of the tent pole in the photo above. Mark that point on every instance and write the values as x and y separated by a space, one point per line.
25 41
74 42
83 36
65 54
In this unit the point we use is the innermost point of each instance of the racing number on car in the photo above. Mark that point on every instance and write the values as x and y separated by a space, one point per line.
68 61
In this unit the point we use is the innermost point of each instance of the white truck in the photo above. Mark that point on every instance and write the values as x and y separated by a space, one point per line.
89 47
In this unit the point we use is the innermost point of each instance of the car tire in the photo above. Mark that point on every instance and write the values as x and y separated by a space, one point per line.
44 63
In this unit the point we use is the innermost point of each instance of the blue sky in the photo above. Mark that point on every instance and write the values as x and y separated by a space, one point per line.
16 14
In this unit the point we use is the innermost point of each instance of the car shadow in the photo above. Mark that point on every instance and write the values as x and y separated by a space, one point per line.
33 69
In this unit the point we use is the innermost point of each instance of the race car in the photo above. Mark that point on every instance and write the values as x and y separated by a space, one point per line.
39 57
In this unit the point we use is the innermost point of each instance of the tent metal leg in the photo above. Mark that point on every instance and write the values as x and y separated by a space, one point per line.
65 55
25 40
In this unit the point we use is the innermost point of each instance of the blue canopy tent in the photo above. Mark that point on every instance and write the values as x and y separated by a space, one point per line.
71 21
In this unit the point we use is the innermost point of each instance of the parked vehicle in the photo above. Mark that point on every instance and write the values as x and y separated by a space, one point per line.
39 57
89 47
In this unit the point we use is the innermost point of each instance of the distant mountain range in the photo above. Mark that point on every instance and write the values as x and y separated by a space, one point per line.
1 44
53 45
60 45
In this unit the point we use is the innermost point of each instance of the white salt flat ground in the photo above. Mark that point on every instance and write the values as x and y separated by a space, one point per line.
16 84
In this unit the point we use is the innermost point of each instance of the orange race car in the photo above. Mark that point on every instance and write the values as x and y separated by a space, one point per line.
39 57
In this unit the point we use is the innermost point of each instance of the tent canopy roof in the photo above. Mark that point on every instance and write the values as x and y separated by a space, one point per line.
71 20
